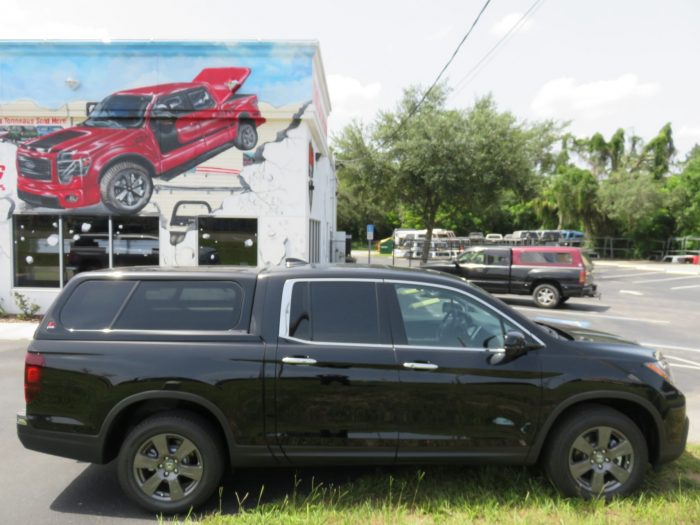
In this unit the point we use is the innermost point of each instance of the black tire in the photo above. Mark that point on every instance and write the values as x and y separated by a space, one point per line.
609 468
126 188
246 136
156 479
546 295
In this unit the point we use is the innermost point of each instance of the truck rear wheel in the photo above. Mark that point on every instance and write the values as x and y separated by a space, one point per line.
126 188
546 295
171 463
247 135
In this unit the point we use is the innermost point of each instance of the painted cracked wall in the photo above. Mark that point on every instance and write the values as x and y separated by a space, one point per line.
282 179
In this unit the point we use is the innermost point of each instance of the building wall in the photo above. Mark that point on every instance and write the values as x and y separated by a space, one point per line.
284 182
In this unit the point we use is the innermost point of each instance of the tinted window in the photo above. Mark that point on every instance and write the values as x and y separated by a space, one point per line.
472 257
440 317
94 304
183 305
546 257
340 312
497 258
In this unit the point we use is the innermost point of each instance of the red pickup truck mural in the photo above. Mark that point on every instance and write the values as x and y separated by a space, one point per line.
135 135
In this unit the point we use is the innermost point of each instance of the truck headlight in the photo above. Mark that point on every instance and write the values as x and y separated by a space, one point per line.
71 165
660 367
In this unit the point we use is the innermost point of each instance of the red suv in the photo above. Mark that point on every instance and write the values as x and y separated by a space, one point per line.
134 135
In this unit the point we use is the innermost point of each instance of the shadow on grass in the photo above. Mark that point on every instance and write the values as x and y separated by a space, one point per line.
96 491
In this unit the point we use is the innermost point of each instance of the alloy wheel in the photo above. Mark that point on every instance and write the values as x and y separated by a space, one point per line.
601 459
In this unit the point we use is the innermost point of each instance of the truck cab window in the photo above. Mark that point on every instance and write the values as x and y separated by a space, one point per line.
439 317
334 312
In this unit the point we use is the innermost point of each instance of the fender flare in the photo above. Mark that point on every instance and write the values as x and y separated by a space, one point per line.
108 423
596 395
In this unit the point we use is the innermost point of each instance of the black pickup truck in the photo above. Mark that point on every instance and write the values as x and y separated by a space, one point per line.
551 274
177 373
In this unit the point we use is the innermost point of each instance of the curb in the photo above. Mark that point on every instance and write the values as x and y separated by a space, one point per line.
681 269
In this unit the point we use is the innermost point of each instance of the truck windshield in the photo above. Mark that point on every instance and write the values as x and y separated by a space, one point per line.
119 111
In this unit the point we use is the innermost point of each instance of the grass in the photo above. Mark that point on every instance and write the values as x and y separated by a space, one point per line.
446 495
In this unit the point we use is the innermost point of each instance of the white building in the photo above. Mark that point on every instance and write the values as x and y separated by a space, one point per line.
163 171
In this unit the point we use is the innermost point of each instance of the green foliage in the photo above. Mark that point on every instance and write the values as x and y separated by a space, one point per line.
27 308
464 170
3 313
683 196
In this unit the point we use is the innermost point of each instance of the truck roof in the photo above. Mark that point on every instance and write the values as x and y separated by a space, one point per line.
159 89
251 272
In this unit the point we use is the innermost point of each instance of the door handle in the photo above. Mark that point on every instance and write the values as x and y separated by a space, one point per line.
298 360
420 366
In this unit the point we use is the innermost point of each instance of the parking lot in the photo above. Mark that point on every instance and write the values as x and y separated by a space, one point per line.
647 304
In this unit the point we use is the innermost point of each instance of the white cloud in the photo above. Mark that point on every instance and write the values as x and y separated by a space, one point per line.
351 99
564 98
689 132
505 24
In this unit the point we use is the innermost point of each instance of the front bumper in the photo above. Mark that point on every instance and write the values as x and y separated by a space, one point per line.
677 425
65 444
75 194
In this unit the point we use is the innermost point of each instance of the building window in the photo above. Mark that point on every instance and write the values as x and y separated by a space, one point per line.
135 241
50 250
36 247
314 241
85 244
228 241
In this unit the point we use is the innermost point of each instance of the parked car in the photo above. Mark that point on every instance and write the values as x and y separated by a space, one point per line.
177 373
493 237
549 236
525 236
571 238
90 252
476 237
550 274
135 135
19 134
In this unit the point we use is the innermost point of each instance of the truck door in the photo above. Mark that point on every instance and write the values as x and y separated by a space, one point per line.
336 379
458 400
176 130
497 270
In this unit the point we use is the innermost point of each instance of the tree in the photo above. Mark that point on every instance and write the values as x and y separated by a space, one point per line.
683 196
428 161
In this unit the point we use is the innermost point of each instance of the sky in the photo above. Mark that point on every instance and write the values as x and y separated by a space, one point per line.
598 64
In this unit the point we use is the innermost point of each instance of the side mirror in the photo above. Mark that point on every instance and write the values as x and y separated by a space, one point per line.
90 107
515 344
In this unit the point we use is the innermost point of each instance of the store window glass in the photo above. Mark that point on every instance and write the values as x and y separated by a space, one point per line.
85 244
135 241
228 241
36 251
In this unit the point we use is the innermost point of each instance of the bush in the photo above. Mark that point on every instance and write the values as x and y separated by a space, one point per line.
27 308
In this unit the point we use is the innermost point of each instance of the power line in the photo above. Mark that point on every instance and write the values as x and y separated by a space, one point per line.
474 71
442 71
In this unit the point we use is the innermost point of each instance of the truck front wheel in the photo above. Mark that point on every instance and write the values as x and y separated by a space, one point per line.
171 463
126 188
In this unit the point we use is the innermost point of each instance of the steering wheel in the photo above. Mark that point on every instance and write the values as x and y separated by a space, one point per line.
455 326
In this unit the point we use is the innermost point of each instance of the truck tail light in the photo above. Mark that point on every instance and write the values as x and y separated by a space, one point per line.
33 365
582 276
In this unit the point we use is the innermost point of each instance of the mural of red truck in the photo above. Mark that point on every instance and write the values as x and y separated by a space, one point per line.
135 135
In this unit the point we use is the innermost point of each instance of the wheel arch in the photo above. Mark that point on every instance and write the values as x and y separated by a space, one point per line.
131 411
128 157
536 281
641 411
